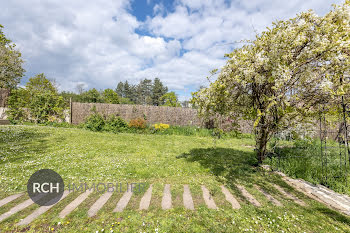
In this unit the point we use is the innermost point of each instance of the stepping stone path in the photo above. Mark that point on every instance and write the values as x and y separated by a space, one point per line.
268 196
99 204
166 201
208 198
74 204
40 211
319 193
289 195
9 199
187 198
16 209
123 202
248 196
146 199
230 198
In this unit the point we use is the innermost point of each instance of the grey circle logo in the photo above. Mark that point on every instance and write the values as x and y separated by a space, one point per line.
45 187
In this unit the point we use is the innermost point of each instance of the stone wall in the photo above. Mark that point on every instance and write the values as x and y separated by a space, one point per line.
4 94
153 114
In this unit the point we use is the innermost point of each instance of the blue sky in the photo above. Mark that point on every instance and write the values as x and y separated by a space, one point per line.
99 43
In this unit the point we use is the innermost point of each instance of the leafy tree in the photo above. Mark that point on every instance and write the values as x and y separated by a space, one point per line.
110 96
40 83
158 90
17 102
92 96
38 101
170 99
11 63
282 76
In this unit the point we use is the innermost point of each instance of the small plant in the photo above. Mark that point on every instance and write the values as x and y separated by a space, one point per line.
138 123
161 126
115 124
94 122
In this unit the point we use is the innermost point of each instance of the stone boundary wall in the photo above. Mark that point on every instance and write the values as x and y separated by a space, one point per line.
4 94
153 114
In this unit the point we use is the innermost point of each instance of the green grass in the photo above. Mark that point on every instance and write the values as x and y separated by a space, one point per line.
303 159
79 155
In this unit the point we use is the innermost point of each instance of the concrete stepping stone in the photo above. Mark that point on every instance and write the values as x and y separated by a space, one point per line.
16 209
268 196
248 196
99 204
123 202
187 198
289 195
166 200
230 198
146 199
41 210
209 201
74 204
9 199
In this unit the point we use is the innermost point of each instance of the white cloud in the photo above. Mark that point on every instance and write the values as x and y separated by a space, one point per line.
95 42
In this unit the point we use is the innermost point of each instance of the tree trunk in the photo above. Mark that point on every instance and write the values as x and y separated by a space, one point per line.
261 141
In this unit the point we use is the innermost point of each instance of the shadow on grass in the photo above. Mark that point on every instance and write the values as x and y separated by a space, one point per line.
20 145
227 163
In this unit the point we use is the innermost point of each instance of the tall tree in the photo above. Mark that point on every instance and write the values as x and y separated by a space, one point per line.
170 99
158 90
110 96
144 92
92 96
280 78
11 63
40 83
120 90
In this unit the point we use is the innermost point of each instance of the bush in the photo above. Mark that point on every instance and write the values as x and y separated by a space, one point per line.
95 122
138 123
161 126
115 124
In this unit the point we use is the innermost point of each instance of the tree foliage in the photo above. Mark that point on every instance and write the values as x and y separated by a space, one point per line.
11 63
170 100
39 101
281 77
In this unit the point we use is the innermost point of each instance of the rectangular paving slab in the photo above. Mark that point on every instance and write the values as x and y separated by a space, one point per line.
268 196
123 202
289 195
40 211
209 201
230 198
166 200
99 204
146 199
248 196
187 198
16 209
74 204
9 199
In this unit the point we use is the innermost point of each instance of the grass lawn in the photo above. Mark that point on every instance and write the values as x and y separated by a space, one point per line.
79 155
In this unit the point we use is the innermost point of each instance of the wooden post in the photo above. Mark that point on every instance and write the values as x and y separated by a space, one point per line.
70 110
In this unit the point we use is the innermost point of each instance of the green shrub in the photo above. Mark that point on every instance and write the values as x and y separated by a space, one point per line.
115 124
94 122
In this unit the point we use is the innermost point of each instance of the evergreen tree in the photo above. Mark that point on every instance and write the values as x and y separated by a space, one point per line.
120 90
158 90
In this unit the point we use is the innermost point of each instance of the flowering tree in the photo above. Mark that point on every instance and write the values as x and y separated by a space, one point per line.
280 77
11 63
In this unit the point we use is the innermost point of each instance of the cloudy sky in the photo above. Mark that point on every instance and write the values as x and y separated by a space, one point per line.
99 43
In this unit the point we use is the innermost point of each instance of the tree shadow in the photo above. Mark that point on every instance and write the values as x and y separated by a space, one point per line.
225 163
17 146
